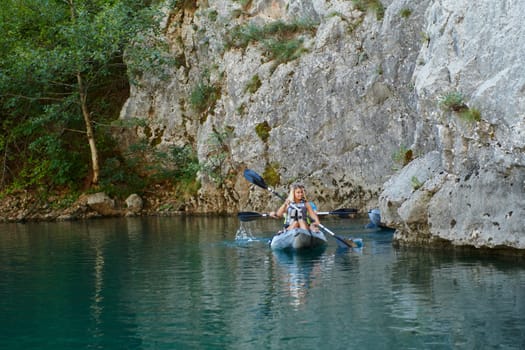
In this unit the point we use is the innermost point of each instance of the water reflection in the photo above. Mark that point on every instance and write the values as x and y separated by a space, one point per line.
451 299
168 283
299 272
97 307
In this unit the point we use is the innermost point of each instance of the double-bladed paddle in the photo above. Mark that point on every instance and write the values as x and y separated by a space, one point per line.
251 215
342 212
257 180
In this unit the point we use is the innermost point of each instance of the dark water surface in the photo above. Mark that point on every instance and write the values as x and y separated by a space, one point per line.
204 283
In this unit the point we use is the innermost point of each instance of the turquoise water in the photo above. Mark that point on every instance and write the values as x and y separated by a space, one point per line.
208 283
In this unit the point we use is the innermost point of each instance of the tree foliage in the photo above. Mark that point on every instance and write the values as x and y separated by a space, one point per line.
62 72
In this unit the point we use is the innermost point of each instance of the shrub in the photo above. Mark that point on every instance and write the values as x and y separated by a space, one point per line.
425 38
278 38
145 166
263 130
405 12
271 175
204 96
217 156
212 15
471 115
416 184
284 51
373 5
452 102
184 162
120 178
403 156
254 84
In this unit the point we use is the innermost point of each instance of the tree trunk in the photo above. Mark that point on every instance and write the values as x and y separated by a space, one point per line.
87 116
89 131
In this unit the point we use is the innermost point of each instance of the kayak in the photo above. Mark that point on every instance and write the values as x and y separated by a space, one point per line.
297 238
375 220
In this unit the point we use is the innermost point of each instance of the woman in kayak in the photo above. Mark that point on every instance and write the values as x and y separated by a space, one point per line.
297 210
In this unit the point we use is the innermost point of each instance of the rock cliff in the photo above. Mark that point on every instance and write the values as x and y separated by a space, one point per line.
415 107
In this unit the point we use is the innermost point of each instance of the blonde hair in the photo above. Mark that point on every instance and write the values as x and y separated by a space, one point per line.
293 187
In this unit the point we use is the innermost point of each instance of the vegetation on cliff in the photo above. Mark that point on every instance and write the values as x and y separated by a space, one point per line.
63 82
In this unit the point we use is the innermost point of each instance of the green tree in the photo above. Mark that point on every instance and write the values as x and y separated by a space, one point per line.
59 59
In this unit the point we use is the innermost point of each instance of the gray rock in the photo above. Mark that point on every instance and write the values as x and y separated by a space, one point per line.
363 89
102 204
134 203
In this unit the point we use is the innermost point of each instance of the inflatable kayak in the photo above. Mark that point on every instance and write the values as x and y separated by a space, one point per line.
297 239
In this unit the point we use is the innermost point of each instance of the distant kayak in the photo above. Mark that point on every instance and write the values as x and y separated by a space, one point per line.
375 220
297 239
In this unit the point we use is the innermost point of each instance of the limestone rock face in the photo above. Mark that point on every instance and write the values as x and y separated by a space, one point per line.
480 199
355 114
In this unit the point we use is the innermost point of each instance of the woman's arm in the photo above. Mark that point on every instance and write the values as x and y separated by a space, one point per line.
312 214
280 212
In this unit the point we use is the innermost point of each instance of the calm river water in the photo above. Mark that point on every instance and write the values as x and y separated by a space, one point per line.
208 283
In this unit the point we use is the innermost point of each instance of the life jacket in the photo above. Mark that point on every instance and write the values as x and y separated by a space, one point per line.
295 214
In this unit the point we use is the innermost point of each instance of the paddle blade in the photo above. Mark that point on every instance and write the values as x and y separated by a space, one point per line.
344 212
248 215
341 242
344 243
255 178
